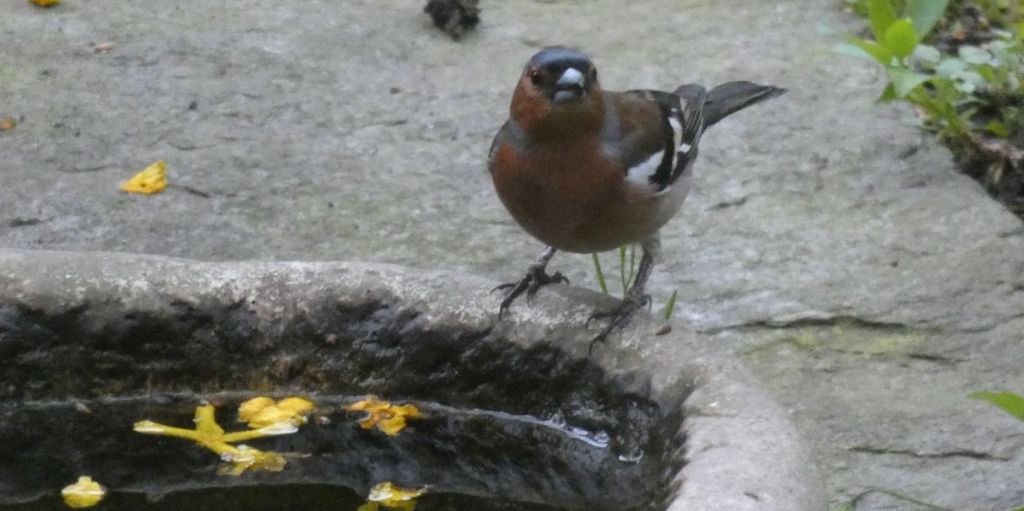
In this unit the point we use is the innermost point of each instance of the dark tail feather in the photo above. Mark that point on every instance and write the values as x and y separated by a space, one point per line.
731 97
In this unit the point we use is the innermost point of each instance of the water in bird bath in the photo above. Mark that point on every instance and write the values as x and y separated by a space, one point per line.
468 459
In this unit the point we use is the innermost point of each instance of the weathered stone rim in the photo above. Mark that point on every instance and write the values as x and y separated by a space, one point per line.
741 452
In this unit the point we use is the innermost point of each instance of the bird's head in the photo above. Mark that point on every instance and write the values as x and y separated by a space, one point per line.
558 89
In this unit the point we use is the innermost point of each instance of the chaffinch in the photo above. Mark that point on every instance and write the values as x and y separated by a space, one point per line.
584 170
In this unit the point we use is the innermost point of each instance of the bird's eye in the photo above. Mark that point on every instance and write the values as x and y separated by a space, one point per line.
536 77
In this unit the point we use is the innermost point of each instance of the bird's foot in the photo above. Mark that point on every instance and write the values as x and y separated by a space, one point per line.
618 317
534 279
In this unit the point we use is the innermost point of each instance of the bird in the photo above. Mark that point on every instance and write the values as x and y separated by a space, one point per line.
586 170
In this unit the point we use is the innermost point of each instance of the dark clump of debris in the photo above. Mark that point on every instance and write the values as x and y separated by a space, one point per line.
454 16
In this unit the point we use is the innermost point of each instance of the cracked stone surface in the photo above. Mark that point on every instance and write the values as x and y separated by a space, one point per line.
827 241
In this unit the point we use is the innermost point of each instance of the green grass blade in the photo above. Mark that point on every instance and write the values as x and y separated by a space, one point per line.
670 305
622 269
632 263
1010 403
600 274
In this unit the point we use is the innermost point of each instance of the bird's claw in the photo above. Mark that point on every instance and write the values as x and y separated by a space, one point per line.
534 279
618 317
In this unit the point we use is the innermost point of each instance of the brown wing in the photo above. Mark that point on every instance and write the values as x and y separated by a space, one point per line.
657 133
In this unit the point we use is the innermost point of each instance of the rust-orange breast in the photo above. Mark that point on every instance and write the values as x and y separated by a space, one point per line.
568 196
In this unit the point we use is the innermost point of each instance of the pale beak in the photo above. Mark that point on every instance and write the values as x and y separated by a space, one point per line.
569 86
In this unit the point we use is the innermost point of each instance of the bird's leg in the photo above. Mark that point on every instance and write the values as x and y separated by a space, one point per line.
533 280
635 298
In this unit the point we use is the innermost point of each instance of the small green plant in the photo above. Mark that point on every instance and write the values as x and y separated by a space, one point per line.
971 96
897 47
998 12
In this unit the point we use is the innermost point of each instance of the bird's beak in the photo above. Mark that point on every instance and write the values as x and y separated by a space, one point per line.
569 86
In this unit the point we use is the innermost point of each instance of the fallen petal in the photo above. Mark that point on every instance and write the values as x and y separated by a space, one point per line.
148 427
392 426
83 493
281 428
152 179
249 409
391 496
297 405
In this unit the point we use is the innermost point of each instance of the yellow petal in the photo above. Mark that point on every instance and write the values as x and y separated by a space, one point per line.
368 422
270 415
206 422
387 417
154 428
211 436
148 427
369 506
261 412
152 179
407 411
244 458
45 3
392 496
269 462
84 493
392 426
249 409
281 428
301 407
371 403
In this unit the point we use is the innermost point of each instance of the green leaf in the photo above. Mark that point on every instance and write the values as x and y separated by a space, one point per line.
904 80
998 129
967 81
882 15
851 50
950 66
1010 403
927 53
986 73
888 95
881 54
925 14
901 38
974 55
